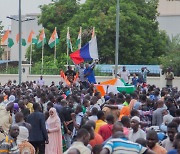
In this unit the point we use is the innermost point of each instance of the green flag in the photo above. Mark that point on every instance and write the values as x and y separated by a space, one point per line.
23 42
10 42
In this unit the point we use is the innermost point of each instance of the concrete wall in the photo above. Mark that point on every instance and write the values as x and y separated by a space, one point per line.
170 23
169 16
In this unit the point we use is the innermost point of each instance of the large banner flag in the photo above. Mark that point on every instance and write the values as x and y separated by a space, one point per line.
86 53
42 39
115 86
78 42
32 38
7 38
54 40
69 44
23 40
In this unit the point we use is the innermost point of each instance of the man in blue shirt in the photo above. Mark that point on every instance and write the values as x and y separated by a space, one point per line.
89 72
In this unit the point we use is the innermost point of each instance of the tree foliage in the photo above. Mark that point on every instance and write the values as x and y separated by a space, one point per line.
141 42
172 58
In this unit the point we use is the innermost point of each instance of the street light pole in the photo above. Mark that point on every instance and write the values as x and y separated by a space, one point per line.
20 42
117 37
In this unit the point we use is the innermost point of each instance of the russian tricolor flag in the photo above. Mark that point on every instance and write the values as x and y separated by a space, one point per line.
86 53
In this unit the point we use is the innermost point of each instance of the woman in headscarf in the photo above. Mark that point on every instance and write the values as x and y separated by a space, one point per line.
22 141
54 133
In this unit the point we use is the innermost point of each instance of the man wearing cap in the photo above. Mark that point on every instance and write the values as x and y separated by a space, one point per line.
136 131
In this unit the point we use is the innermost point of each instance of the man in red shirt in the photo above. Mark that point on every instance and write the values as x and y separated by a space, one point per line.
97 138
106 130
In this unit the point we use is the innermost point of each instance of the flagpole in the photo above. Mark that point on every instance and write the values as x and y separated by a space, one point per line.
55 48
7 58
42 57
67 47
31 56
7 54
93 32
67 55
80 37
117 38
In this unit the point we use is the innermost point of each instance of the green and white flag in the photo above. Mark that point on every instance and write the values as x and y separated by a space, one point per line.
69 44
54 40
42 39
23 41
78 42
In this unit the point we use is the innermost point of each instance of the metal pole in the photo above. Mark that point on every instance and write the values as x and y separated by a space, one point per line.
117 37
67 47
80 37
42 67
7 58
20 40
31 56
55 48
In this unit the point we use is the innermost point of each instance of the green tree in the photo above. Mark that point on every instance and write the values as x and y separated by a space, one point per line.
56 15
172 58
141 42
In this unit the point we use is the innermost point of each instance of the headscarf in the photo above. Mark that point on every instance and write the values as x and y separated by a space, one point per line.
54 117
12 98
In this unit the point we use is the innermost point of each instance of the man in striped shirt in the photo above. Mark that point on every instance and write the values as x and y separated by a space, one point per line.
120 145
9 145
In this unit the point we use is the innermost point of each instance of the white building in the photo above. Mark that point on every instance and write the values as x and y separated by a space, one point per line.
27 26
169 16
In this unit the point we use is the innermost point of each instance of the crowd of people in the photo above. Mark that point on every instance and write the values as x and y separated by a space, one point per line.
77 119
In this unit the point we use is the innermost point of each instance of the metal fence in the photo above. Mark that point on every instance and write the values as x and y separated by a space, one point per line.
45 71
9 70
52 71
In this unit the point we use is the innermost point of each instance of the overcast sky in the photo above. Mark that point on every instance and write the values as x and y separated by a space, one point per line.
10 7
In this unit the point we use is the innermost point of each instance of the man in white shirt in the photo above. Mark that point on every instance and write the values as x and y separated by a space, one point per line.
125 75
40 81
136 132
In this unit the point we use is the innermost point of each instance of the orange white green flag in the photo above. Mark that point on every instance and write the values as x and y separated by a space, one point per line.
42 39
32 38
23 40
68 40
78 41
54 40
6 39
